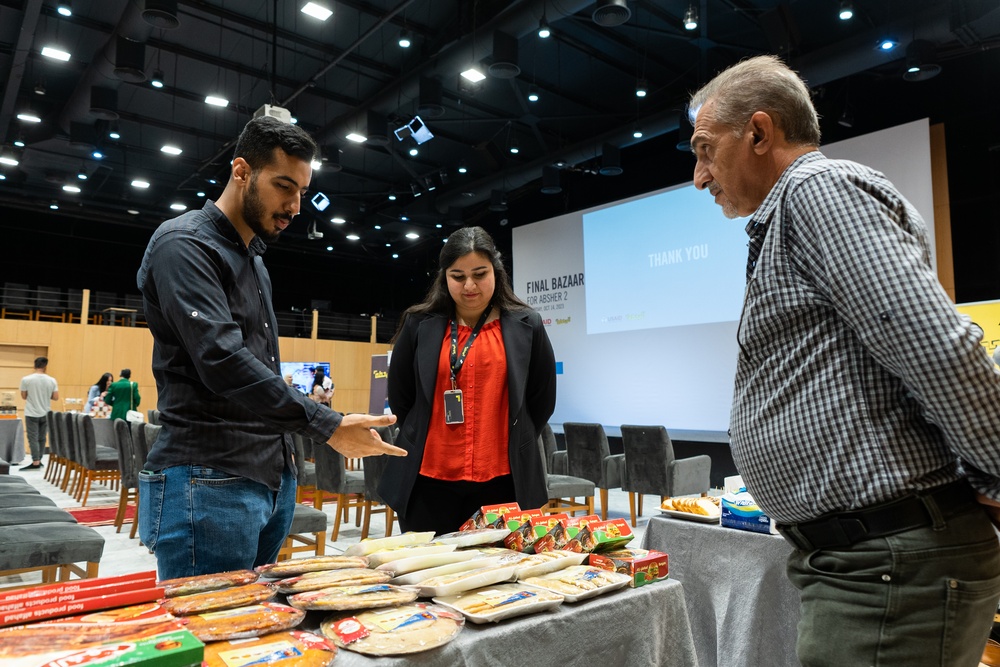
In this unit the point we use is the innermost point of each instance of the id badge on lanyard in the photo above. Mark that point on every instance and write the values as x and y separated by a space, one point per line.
454 408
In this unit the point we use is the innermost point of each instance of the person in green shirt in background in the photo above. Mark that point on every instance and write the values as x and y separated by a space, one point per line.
122 395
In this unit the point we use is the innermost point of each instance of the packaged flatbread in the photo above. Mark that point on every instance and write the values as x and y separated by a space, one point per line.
354 597
207 582
297 566
240 596
313 581
580 582
396 553
495 603
242 622
413 563
450 584
292 648
452 568
474 537
372 544
399 631
535 565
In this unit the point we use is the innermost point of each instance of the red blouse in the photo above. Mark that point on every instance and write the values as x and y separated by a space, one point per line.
475 450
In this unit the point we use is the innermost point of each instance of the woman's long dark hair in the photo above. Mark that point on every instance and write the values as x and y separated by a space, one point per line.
460 243
318 376
102 384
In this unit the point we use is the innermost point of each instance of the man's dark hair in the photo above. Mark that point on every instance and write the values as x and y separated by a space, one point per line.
126 373
263 134
41 362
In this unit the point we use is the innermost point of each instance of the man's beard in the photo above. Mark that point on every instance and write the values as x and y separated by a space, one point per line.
253 214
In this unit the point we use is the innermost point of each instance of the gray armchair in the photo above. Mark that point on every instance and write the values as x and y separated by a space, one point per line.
589 457
333 477
563 490
555 458
650 467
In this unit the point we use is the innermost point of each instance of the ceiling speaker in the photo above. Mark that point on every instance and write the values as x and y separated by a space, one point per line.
130 60
504 56
103 103
550 180
378 130
431 94
611 13
611 161
161 14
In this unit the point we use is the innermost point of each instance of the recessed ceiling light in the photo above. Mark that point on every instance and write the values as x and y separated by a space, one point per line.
414 152
405 41
201 194
395 256
353 237
97 155
329 248
71 188
8 160
171 150
887 44
177 206
54 206
132 211
317 11
337 220
473 74
637 133
82 175
19 143
404 218
438 225
412 235
212 181
357 138
138 183
54 53
64 9
3 177
216 101
388 245
28 117
378 226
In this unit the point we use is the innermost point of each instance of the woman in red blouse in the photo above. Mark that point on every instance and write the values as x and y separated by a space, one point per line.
472 382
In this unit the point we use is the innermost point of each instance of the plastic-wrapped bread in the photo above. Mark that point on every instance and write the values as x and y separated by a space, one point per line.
414 563
291 648
535 565
243 622
227 598
297 566
400 631
495 603
206 582
354 597
580 582
373 544
450 584
313 581
397 553
452 568
473 538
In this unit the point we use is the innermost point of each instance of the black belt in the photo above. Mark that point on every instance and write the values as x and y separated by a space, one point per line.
916 510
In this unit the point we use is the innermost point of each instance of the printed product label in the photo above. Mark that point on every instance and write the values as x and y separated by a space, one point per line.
259 655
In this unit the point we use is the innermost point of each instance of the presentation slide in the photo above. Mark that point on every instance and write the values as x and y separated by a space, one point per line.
641 298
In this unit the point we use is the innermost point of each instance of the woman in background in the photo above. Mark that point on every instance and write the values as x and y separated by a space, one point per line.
97 391
322 389
472 382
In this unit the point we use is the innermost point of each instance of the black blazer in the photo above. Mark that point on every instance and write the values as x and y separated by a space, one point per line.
531 387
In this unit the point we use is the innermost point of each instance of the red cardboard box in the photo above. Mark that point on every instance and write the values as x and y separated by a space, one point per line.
10 597
644 565
513 520
601 536
560 535
490 516
77 606
523 539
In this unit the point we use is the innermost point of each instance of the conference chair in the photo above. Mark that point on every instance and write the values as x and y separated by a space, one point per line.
589 456
305 477
555 458
129 491
563 490
333 477
98 463
650 467
143 437
372 469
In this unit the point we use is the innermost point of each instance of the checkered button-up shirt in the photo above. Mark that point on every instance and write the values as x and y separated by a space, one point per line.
857 379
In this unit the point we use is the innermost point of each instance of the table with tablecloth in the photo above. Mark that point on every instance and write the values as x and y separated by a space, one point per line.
742 608
630 627
12 440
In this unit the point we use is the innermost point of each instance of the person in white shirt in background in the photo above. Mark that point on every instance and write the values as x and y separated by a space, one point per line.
38 391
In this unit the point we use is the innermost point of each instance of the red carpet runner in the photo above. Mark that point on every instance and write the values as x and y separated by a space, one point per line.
99 516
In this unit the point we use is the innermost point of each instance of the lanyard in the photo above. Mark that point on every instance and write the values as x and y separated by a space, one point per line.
457 359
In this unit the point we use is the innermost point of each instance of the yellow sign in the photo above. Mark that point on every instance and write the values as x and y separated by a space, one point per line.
987 315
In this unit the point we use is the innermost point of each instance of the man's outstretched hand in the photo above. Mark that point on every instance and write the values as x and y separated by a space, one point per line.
355 437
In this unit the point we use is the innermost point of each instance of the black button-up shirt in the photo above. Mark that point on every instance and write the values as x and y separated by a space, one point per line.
222 400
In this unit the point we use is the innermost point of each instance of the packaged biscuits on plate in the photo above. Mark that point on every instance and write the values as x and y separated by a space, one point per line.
227 598
580 582
450 584
313 581
242 622
412 578
495 603
373 544
207 582
535 565
399 631
297 566
292 648
397 553
414 563
354 597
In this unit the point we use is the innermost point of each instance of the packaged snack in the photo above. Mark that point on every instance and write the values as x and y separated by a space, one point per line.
450 584
495 603
296 566
601 536
414 563
372 544
474 537
399 631
739 510
490 516
452 568
644 566
242 622
580 582
291 648
561 534
207 582
313 581
538 564
388 555
354 597
227 598
523 539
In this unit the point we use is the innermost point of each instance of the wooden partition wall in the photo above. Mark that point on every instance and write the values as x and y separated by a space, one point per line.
79 353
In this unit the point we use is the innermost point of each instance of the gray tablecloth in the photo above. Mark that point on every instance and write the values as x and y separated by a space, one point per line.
634 627
12 440
742 608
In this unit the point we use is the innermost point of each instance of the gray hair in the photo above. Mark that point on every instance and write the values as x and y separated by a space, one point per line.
762 83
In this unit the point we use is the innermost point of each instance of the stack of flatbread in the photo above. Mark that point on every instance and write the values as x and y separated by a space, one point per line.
705 506
408 629
227 598
207 582
243 622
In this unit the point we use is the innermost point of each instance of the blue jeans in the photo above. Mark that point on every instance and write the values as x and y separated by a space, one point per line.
199 520
921 598
36 427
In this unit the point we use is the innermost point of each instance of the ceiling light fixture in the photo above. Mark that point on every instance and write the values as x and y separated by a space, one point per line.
329 248
54 53
414 152
473 74
395 256
846 118
315 164
54 205
691 18
19 143
641 88
71 188
177 206
405 41
532 94
317 11
513 147
28 117
113 131
81 175
3 176
919 61
413 236
156 81
8 160
338 220
356 138
353 237
415 189
216 101
40 89
170 150
462 168
201 193
65 8
887 44
544 31
97 155
140 184
637 132
392 195
846 10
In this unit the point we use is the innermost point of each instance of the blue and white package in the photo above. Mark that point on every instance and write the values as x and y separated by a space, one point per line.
739 510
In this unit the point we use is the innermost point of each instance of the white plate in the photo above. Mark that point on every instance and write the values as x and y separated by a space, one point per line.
690 516
465 581
545 600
